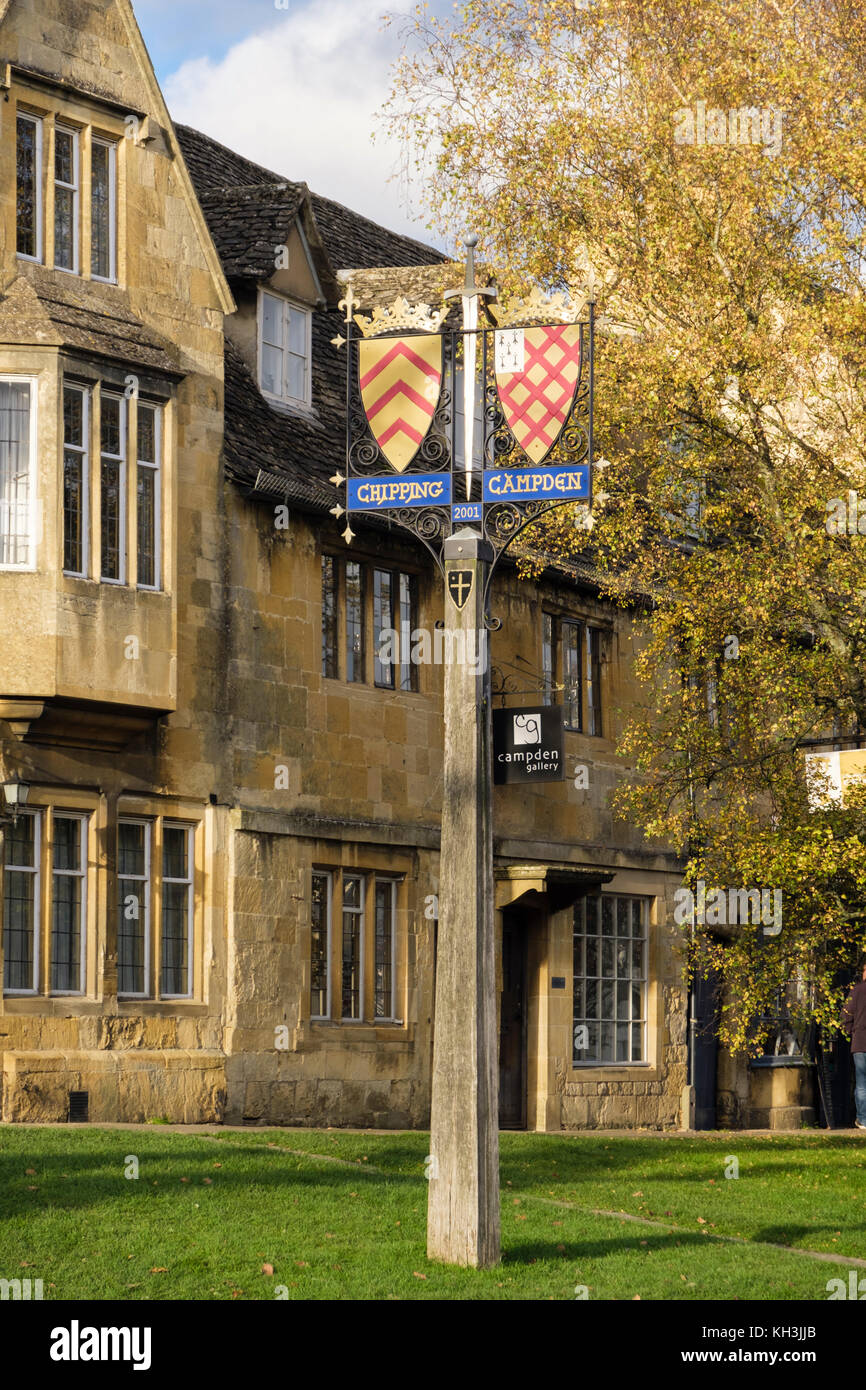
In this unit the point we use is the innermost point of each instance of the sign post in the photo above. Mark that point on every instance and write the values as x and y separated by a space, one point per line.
463 1200
402 388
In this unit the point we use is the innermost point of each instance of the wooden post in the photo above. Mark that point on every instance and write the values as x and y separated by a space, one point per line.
463 1200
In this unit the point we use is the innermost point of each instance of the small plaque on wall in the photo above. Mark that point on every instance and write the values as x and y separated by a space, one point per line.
558 982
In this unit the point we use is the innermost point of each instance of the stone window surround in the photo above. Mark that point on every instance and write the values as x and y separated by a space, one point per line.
102 898
559 614
370 563
370 866
651 886
153 394
75 114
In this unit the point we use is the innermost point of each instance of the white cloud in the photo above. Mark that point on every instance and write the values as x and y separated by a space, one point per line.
301 98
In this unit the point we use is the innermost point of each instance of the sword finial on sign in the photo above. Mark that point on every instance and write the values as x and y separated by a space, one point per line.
470 295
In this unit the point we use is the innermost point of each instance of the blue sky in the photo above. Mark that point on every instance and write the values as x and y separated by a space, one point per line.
295 87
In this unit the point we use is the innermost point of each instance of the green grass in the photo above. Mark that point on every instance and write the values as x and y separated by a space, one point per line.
355 1228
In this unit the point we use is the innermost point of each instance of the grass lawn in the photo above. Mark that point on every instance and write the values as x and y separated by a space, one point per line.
342 1215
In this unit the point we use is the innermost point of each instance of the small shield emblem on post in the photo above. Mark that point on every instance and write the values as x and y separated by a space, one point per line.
460 586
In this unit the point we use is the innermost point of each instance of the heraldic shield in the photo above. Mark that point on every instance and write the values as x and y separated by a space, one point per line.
400 380
536 401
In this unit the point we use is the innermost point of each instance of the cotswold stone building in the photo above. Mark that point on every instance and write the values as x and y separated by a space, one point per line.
219 897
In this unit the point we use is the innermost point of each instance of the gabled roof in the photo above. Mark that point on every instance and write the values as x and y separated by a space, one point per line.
224 179
249 210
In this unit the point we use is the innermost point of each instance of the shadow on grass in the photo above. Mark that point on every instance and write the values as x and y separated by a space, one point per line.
601 1248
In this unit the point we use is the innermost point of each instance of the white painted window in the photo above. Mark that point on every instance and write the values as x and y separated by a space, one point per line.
284 349
134 839
67 193
21 904
17 473
28 165
103 209
148 495
76 478
113 431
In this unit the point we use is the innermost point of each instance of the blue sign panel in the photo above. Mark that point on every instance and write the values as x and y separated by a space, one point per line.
415 490
526 484
466 511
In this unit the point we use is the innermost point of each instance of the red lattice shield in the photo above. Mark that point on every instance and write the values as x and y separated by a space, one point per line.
537 399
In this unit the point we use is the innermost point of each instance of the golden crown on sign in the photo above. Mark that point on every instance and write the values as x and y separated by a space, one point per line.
542 308
417 318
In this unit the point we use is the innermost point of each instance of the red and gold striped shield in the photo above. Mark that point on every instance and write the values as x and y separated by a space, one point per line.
400 379
536 401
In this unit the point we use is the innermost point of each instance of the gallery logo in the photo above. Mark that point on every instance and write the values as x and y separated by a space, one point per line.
527 729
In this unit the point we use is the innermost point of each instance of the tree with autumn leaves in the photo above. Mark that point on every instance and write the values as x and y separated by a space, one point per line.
708 161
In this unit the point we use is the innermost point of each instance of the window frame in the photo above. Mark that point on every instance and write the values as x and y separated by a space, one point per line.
29 566
351 668
75 189
370 880
83 451
385 879
330 619
287 303
589 648
123 460
360 913
598 977
189 831
35 814
328 876
156 469
147 880
105 142
83 818
39 200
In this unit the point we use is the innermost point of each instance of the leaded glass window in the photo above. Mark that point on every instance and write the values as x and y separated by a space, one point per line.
329 617
66 198
383 975
113 477
320 914
68 901
133 907
176 926
355 605
103 210
76 403
353 947
16 475
21 904
610 979
148 495
28 162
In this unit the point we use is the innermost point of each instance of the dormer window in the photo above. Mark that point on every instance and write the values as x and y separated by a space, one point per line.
284 350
